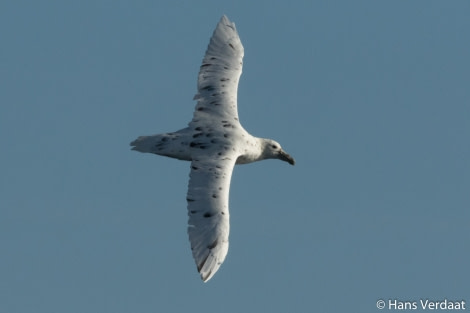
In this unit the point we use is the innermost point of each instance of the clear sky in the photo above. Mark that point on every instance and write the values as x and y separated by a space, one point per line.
372 98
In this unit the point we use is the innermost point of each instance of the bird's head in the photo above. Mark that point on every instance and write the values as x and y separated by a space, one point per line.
273 150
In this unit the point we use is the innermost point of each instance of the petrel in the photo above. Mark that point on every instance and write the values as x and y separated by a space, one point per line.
213 142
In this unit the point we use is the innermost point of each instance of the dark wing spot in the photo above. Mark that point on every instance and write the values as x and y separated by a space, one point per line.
208 214
190 200
200 145
194 167
231 46
206 64
208 88
213 245
214 196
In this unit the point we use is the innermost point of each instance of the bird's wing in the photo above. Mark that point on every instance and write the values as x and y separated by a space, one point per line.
219 74
208 225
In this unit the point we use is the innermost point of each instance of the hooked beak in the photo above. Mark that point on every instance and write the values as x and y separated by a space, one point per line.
286 157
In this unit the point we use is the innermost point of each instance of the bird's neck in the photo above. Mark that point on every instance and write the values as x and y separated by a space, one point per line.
253 153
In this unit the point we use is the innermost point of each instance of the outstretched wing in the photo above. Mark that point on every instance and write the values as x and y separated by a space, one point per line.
219 74
208 228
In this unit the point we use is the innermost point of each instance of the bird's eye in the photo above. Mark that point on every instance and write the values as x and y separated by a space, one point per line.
274 146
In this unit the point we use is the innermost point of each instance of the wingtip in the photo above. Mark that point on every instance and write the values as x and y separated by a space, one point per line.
225 20
210 264
208 274
206 277
205 274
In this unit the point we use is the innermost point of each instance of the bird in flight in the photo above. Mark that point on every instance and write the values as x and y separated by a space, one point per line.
213 142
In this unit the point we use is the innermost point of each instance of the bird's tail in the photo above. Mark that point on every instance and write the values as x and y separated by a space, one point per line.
169 144
146 144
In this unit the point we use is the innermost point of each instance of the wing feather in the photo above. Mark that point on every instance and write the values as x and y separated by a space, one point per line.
219 74
208 225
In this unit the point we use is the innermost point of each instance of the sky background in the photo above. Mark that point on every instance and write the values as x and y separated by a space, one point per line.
372 99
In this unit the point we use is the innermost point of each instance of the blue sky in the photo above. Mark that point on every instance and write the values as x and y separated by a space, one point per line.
370 97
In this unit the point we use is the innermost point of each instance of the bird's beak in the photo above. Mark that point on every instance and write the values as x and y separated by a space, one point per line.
286 157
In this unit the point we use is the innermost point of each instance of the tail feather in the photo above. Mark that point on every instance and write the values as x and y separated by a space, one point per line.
169 144
146 144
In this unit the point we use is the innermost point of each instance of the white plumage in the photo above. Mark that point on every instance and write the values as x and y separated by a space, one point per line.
214 142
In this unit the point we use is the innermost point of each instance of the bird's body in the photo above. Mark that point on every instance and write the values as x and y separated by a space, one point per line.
214 142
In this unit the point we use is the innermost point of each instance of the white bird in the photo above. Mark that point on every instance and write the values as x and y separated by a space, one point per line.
214 142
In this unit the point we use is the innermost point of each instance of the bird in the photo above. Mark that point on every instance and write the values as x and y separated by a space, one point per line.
214 142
